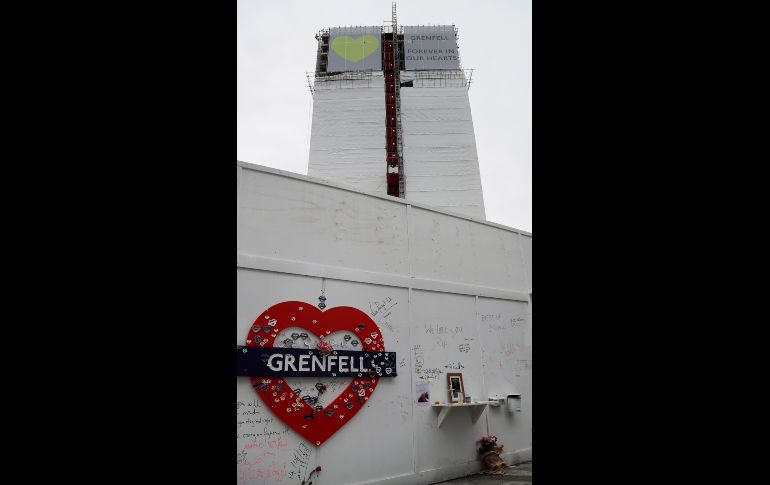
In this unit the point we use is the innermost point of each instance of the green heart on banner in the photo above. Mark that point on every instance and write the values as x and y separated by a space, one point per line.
354 50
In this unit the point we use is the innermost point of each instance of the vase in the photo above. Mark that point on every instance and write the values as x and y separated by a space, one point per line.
493 464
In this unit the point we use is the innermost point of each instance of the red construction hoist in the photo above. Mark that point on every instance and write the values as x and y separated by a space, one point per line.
394 170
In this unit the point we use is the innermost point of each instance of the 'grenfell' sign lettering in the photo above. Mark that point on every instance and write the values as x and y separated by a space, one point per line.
289 362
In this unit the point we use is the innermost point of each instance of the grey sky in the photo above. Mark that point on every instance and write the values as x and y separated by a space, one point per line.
276 46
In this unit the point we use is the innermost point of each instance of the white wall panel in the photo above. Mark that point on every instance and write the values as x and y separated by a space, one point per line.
441 246
526 257
445 339
504 326
446 247
268 450
498 258
310 222
383 427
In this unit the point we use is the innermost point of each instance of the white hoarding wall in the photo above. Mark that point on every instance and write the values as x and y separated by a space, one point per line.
354 49
430 47
440 160
347 140
448 293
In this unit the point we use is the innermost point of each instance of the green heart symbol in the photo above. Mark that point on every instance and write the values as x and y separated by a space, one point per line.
354 50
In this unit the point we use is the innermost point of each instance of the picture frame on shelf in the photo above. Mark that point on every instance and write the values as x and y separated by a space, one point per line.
455 387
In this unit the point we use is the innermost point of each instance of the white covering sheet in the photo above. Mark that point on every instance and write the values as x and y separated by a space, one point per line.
347 143
440 159
347 139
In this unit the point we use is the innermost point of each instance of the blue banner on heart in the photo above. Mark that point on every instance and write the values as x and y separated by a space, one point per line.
287 362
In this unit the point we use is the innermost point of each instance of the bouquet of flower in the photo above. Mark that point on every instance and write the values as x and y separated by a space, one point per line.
489 452
487 443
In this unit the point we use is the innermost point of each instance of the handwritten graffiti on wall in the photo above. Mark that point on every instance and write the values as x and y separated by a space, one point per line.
264 451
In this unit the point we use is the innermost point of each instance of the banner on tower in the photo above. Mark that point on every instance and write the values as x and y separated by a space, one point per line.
354 49
430 47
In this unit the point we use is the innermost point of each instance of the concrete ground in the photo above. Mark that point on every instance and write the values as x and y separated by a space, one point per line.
520 474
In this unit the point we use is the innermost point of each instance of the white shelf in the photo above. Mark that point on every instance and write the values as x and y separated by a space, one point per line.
477 408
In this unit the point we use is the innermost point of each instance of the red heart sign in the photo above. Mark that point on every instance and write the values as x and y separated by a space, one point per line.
316 426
